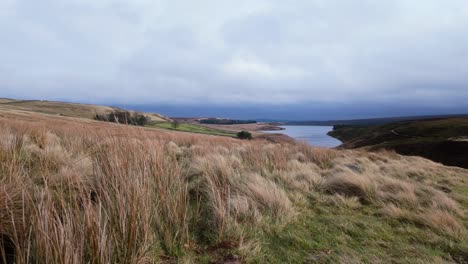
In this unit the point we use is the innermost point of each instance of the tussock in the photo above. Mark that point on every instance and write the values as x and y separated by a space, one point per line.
301 176
341 201
351 184
442 221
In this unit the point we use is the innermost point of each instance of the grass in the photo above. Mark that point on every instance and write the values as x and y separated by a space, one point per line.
80 191
192 129
326 235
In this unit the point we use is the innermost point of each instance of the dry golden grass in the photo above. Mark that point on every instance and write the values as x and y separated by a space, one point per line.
79 191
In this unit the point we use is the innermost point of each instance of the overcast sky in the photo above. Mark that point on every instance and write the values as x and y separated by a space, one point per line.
235 53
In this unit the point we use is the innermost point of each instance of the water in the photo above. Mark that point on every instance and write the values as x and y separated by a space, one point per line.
314 135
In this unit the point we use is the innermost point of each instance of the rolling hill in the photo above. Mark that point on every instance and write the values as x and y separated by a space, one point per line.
65 108
366 121
443 140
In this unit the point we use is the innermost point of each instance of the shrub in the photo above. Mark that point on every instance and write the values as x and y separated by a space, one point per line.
244 135
175 124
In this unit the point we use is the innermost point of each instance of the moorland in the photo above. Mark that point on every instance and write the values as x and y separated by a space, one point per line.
77 190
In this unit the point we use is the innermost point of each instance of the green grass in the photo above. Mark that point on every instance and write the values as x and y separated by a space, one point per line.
326 234
192 129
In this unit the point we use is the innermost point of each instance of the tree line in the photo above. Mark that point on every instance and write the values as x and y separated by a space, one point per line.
124 117
217 121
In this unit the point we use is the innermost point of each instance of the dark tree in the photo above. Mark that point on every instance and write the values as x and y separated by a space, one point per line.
175 124
244 135
124 117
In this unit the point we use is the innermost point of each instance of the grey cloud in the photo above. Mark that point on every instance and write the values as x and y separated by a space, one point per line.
234 52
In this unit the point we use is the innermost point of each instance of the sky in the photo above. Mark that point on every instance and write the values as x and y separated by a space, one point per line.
297 59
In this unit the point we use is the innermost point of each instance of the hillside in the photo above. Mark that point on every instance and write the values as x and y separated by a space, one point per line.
74 190
367 121
159 121
442 139
64 108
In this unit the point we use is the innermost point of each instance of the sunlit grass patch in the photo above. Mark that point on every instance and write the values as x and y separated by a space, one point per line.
192 128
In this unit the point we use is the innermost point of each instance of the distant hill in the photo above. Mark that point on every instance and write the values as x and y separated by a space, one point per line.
65 108
365 122
225 121
444 140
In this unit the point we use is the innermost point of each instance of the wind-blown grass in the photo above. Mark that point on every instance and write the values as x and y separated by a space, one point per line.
76 191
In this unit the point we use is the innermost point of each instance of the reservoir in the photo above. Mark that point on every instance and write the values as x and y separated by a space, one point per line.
314 135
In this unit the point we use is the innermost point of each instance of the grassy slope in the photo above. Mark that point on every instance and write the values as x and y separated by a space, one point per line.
226 200
63 108
436 139
193 129
430 129
354 235
5 100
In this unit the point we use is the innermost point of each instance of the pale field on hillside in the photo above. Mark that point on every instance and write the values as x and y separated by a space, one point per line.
64 109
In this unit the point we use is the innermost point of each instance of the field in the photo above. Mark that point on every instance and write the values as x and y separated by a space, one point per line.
245 127
192 128
80 191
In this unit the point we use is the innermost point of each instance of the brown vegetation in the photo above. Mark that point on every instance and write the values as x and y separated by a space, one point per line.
74 191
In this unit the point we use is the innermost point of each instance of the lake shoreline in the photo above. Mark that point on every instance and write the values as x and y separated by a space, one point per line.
313 135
